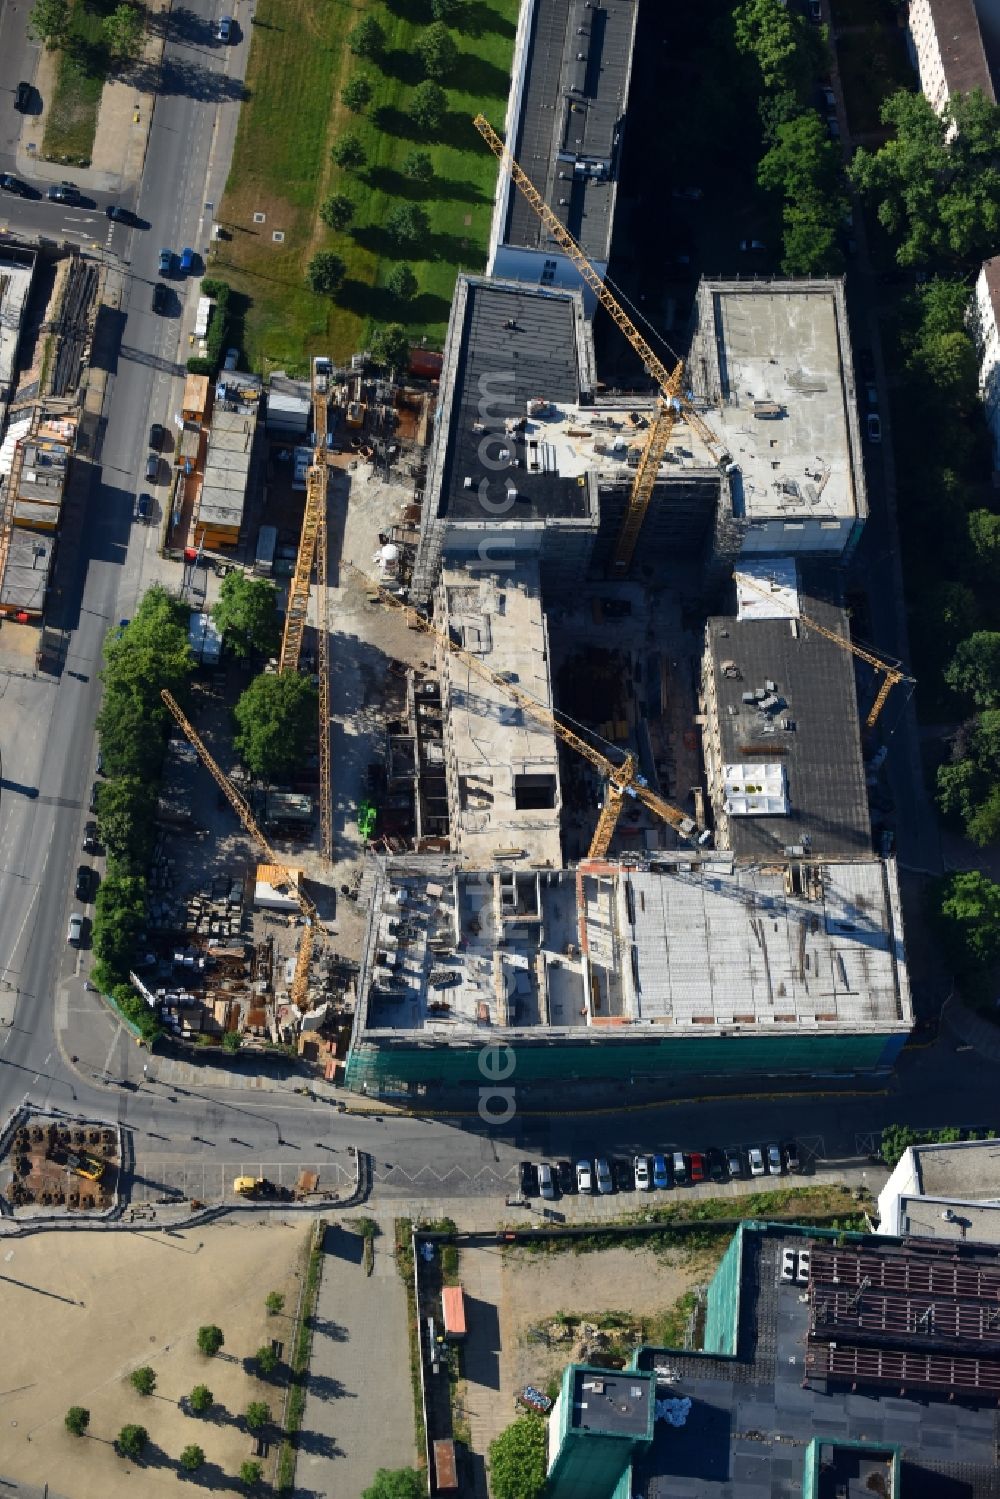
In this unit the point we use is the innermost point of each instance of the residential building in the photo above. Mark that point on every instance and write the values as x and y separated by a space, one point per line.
228 456
984 322
601 1421
949 1192
947 50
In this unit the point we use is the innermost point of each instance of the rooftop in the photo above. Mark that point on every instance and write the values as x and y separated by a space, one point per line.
782 708
566 116
965 1168
16 270
26 572
753 1417
607 1400
772 360
960 42
503 765
227 465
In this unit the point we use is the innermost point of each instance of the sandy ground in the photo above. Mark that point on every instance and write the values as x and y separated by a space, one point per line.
89 1308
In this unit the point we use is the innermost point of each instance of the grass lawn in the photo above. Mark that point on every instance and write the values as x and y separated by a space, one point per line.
873 64
281 167
82 70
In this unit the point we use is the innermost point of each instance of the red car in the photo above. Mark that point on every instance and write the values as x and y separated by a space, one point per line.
696 1167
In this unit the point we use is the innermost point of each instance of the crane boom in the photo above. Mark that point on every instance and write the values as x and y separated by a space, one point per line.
891 674
240 805
622 779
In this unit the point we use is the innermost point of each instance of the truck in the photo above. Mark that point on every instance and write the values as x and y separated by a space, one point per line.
267 543
85 1165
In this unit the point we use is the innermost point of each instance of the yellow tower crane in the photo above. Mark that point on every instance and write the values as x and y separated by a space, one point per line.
240 805
622 779
891 674
673 402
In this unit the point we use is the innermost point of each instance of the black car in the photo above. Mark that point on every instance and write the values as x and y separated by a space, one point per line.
90 838
117 214
160 297
143 507
529 1179
10 184
22 96
623 1174
565 1177
736 1162
790 1156
157 433
95 792
84 881
63 192
716 1163
152 468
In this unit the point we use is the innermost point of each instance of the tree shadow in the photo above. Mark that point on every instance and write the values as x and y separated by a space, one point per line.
397 185
327 1328
477 19
417 11
189 80
428 307
181 24
458 131
392 121
481 79
406 66
317 1444
325 1387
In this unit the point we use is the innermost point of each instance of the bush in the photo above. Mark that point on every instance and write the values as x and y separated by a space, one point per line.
251 1473
337 211
257 1415
210 1339
428 106
349 152
192 1458
518 1460
198 366
275 1302
232 1042
77 1420
201 1399
325 273
356 94
266 1359
135 1008
437 51
143 1380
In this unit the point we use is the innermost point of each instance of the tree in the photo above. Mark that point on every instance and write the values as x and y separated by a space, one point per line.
356 94
408 225
437 51
247 614
232 1041
132 742
131 1441
784 46
257 1415
251 1473
447 10
391 346
201 1399
151 652
803 165
192 1458
402 283
418 166
77 1420
49 24
367 39
143 1380
123 808
266 1359
349 152
276 720
275 1302
325 273
210 1339
119 917
984 534
123 31
428 105
974 670
969 909
337 211
518 1460
983 826
396 1483
936 181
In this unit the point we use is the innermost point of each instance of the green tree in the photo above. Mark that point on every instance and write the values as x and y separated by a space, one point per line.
201 1399
257 1415
131 1441
77 1420
122 31
518 1460
276 720
232 1041
448 10
402 283
325 273
391 346
356 94
983 826
936 181
49 24
437 51
984 534
124 818
349 152
428 106
150 653
192 1458
959 788
953 611
119 917
974 670
266 1359
210 1339
408 225
132 742
786 49
803 165
968 905
251 1473
809 242
337 211
247 614
367 39
143 1380
418 166
274 1302
396 1483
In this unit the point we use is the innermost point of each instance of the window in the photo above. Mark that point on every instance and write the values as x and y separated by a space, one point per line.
534 793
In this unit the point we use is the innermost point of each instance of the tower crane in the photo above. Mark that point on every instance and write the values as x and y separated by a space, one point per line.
622 780
891 674
673 401
240 805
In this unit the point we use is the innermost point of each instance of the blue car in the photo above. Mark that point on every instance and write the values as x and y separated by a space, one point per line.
187 260
661 1173
166 262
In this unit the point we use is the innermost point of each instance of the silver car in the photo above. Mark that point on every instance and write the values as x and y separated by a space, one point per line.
756 1159
546 1184
584 1176
605 1181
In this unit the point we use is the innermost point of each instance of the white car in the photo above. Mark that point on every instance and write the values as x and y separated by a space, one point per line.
643 1177
756 1159
584 1176
605 1181
74 931
775 1164
546 1184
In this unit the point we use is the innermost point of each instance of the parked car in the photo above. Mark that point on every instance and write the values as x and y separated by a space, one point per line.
680 1169
187 260
696 1167
160 297
756 1159
874 427
790 1151
871 393
748 246
22 96
230 362
224 29
735 1164
12 184
621 1170
152 467
774 1162
643 1175
605 1181
166 262
692 194
84 878
74 932
91 842
63 192
99 763
529 1179
584 1176
662 1180
815 11
716 1163
143 506
833 128
157 433
546 1181
565 1177
95 792
829 100
117 214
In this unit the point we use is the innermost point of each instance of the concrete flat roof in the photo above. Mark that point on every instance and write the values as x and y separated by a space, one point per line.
26 574
227 466
16 270
503 764
964 1168
950 1217
772 362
